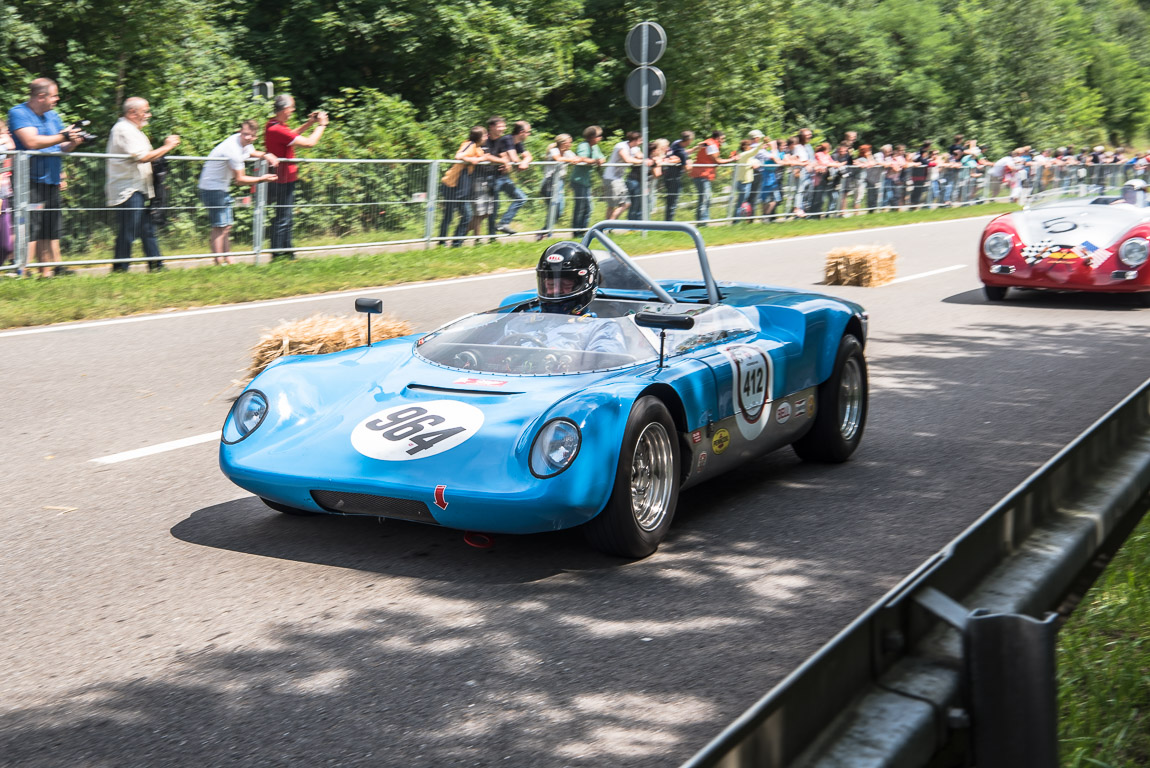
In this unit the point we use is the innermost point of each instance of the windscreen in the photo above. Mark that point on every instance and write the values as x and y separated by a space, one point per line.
541 343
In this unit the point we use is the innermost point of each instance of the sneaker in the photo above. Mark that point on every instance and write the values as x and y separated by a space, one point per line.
59 271
505 229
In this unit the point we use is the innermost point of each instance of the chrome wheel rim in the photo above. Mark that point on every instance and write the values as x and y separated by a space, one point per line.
651 477
850 399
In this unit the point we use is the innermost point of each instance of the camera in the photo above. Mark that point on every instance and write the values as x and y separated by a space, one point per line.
79 127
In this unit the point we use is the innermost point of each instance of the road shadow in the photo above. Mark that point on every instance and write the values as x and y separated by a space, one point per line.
540 652
1034 299
394 547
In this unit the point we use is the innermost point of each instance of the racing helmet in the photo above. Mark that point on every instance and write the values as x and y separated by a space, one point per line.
1134 192
568 276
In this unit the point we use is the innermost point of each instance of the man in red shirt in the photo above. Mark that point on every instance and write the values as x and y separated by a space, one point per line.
281 141
703 172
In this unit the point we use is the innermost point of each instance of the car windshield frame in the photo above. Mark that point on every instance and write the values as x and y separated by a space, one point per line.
533 343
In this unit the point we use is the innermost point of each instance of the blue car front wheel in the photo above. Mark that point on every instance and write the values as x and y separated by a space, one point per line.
646 487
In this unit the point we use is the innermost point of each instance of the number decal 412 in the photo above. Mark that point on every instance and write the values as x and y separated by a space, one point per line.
416 430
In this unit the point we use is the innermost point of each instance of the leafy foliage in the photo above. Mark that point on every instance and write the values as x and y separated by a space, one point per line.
407 78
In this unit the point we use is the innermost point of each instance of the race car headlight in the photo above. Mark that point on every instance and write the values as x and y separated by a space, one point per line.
1134 251
555 448
997 246
247 414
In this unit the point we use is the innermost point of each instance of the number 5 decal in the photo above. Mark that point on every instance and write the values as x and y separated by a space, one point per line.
409 432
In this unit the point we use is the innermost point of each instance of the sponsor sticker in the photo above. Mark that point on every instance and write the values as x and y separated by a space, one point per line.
702 461
801 406
467 381
416 430
554 259
697 436
783 412
720 441
751 382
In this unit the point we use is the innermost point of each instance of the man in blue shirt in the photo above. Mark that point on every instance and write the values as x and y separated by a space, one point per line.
36 127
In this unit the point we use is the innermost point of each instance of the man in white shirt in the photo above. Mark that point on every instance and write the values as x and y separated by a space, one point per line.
618 196
224 165
129 183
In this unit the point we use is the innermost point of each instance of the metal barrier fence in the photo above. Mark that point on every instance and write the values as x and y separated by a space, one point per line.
341 203
955 665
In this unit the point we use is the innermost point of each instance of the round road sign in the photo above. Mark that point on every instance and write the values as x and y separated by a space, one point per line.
656 43
656 86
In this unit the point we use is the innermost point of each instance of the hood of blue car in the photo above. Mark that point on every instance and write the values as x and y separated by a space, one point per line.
383 411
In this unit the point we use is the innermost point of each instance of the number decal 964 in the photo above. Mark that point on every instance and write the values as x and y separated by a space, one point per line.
416 431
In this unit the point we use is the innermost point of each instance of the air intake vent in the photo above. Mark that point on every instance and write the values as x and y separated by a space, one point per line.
376 506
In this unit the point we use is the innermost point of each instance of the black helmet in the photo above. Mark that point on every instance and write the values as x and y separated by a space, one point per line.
568 276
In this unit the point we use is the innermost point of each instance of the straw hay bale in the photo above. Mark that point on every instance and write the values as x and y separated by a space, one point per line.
865 265
319 335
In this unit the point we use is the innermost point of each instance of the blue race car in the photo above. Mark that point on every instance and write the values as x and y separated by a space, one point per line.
590 403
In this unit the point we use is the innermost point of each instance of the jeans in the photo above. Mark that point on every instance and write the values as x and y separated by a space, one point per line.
889 192
581 217
939 191
673 187
802 191
703 203
456 199
504 185
554 206
283 199
635 194
744 190
135 223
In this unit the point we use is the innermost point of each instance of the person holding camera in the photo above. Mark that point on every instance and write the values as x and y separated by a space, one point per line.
282 141
36 127
128 185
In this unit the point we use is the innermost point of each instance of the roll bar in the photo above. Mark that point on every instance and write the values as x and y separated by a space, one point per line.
599 232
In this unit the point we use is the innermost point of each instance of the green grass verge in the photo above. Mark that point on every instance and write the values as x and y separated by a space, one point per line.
1104 665
28 302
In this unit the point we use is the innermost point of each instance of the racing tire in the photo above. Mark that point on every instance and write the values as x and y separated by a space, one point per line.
841 408
646 489
288 510
1142 299
995 292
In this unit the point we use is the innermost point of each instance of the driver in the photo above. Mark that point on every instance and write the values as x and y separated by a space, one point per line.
1134 193
567 276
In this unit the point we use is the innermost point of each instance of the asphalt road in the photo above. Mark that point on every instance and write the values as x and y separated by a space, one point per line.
154 614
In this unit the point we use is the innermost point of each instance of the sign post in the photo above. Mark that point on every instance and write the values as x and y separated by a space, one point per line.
645 87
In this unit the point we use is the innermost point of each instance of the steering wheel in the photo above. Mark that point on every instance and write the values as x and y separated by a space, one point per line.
523 340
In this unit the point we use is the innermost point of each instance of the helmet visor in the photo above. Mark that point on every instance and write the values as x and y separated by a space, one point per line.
561 281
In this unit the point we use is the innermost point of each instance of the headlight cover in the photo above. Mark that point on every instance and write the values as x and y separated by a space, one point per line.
997 246
1134 251
555 447
247 414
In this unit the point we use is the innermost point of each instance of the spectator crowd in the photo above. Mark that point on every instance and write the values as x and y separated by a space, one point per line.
769 178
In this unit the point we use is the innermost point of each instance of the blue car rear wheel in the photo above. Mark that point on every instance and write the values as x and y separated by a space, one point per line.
841 408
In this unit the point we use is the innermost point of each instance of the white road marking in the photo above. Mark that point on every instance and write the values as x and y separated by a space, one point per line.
427 283
116 458
927 274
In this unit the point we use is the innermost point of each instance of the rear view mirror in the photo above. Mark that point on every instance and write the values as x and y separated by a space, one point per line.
665 321
370 306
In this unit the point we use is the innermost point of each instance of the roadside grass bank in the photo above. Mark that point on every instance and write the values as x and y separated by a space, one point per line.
29 302
1104 665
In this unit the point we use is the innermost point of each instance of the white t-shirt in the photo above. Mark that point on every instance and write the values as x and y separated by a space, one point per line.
227 157
999 168
621 149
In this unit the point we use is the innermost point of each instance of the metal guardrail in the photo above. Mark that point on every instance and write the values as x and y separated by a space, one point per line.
364 203
914 674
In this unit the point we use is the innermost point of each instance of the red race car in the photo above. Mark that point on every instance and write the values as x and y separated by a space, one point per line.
1088 244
